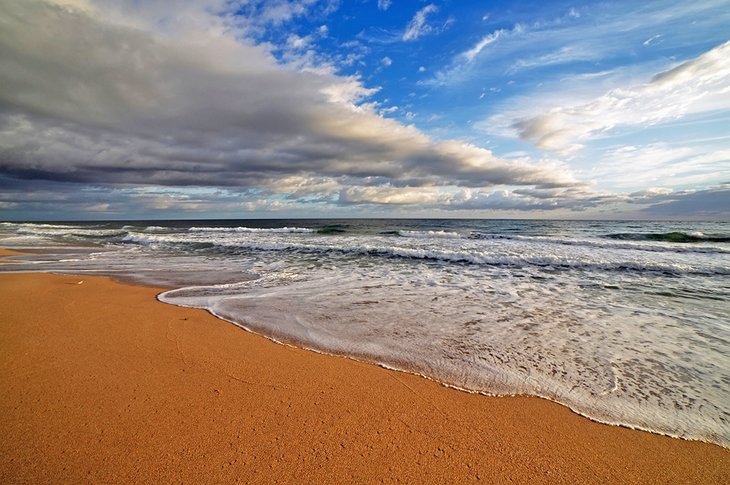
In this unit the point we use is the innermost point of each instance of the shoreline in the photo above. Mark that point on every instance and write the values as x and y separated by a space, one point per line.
141 390
8 252
365 360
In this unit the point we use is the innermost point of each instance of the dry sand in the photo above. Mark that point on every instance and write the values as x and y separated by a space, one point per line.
102 383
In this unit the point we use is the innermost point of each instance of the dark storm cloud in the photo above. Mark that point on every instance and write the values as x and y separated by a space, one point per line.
89 100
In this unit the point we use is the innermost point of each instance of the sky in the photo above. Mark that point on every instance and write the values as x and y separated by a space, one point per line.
131 109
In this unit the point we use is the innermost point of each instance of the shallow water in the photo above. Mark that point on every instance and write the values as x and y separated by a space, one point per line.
625 322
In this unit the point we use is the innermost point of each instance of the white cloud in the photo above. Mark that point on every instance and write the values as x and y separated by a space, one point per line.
418 27
296 42
384 4
660 164
701 84
564 55
468 199
83 5
460 64
488 39
386 61
394 195
280 11
652 39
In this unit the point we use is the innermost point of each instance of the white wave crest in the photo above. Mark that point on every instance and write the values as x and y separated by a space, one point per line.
273 230
430 234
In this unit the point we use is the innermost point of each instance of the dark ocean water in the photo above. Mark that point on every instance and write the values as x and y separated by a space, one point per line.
625 322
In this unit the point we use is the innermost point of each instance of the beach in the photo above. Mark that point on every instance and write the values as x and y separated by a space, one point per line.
364 242
102 383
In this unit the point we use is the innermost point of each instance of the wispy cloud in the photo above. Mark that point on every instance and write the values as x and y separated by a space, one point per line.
280 11
599 32
418 26
488 39
701 84
631 167
384 4
564 55
517 35
652 40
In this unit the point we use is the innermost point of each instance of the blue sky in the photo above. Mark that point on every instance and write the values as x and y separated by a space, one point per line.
442 81
308 108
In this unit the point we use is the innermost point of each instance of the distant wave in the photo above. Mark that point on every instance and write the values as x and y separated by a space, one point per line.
429 234
290 230
631 243
147 229
675 237
332 229
51 231
32 225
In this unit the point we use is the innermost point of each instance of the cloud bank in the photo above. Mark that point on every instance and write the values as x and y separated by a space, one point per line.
89 98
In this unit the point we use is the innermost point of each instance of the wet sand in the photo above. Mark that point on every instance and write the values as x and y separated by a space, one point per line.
102 383
7 252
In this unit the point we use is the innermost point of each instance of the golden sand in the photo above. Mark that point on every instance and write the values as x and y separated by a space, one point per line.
102 383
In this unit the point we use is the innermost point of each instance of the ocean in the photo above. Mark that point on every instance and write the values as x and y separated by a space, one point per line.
625 322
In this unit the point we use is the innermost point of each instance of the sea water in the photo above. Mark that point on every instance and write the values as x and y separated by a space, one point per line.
625 322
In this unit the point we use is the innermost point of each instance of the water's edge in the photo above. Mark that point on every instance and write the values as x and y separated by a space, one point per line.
301 345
